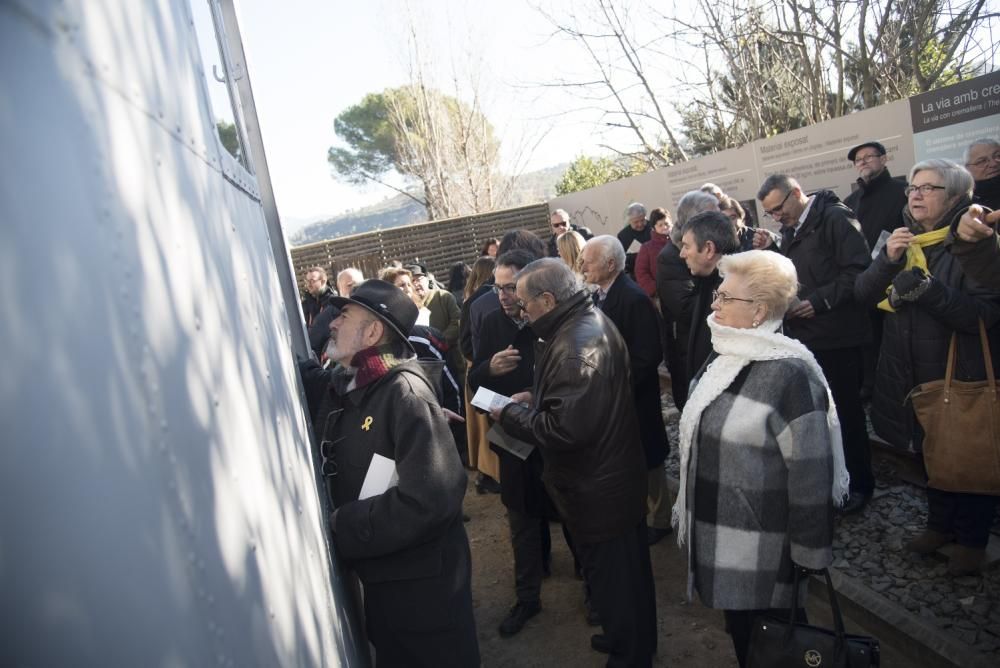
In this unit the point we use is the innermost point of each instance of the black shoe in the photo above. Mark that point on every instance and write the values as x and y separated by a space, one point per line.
600 643
517 616
654 535
855 503
487 485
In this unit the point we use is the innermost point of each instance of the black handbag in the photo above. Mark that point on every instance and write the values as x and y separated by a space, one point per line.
783 643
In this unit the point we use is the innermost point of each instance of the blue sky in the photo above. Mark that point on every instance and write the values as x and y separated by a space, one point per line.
309 60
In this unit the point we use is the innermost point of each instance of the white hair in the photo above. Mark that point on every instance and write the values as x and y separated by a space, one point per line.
610 249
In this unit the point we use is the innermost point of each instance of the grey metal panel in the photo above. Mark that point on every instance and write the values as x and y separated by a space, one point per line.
158 504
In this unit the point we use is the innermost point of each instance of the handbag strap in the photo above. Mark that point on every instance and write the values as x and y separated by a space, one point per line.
831 594
950 368
987 357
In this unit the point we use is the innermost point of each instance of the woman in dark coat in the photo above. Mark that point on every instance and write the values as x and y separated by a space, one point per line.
927 298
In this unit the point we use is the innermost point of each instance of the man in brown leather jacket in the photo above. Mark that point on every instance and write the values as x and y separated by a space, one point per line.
580 413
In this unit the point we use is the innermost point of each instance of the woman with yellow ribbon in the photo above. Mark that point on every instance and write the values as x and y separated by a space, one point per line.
928 298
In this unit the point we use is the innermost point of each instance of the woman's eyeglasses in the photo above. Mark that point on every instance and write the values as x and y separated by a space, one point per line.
725 299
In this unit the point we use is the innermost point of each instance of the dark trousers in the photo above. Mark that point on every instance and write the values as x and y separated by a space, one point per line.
740 623
842 368
531 542
967 516
528 542
620 577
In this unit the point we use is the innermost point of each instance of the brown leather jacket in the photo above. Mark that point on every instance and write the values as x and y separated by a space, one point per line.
583 418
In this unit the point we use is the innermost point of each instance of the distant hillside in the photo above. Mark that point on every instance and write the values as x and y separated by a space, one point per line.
400 210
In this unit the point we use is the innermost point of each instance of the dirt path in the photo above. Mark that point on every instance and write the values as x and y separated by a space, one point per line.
690 635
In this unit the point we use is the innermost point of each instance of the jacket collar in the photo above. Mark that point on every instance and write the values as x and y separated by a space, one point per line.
876 183
988 190
821 200
549 323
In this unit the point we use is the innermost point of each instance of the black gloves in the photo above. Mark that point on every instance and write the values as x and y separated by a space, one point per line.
908 286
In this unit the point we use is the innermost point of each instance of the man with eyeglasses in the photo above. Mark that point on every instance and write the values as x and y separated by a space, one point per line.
982 159
505 363
878 200
316 308
560 224
973 239
878 203
580 413
824 241
705 239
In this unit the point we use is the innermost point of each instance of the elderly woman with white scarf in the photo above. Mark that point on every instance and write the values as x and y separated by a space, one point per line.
761 458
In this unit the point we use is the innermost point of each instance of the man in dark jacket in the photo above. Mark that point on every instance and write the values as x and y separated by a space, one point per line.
487 302
974 241
581 414
705 238
878 205
316 308
878 201
560 225
823 239
675 288
633 313
504 363
635 233
396 483
982 159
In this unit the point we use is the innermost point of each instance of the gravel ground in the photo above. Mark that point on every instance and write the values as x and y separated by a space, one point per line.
869 547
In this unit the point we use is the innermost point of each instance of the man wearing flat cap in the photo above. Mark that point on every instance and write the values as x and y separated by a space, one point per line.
878 204
878 200
396 482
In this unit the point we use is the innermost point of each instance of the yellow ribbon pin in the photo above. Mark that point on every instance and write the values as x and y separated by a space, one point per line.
367 424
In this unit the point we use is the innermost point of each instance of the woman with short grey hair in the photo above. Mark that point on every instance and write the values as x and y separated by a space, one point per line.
927 299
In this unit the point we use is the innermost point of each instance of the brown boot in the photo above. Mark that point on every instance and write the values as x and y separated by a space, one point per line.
929 541
966 560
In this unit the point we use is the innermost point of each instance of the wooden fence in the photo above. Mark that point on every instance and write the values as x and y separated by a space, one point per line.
437 244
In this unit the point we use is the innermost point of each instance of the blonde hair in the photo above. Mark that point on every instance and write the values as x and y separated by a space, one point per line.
390 274
570 245
769 277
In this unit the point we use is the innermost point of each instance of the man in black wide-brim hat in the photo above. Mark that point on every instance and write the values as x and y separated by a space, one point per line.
396 482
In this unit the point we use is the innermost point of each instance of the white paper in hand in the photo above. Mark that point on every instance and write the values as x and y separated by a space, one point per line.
380 477
489 400
634 247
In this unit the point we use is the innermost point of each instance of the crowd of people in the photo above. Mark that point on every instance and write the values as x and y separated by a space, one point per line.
773 340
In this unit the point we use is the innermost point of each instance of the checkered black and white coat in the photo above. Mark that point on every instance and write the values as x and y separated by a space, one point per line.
762 470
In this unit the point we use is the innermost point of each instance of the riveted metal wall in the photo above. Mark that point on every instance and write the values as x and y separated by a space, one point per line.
158 501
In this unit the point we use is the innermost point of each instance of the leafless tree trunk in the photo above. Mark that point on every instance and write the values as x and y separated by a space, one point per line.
754 68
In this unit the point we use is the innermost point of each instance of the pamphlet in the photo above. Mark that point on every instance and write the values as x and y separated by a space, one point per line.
880 242
489 400
380 477
520 449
